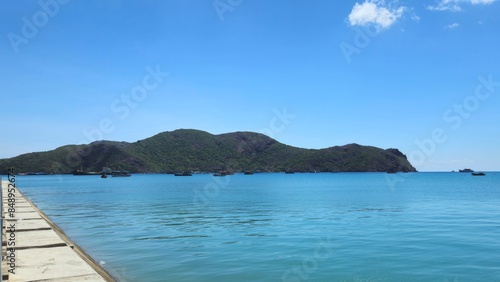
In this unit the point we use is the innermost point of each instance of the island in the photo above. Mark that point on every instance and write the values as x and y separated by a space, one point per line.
190 150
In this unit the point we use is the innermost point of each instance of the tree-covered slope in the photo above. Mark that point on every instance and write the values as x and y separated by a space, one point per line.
195 150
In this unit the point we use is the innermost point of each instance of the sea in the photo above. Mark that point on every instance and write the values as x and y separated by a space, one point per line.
281 227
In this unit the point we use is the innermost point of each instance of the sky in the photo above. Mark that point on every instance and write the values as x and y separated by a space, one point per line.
421 76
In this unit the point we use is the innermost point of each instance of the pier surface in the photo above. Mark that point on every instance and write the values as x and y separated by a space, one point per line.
42 251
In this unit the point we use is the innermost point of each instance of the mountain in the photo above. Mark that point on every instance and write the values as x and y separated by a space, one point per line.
195 150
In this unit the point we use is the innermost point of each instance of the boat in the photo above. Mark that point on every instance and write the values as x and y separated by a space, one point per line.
106 170
183 174
478 174
248 172
104 175
289 172
465 170
121 173
33 173
221 173
80 172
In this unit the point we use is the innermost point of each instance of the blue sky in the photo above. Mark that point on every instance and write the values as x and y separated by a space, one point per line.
420 76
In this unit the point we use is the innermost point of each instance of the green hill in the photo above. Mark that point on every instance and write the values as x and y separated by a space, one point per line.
195 150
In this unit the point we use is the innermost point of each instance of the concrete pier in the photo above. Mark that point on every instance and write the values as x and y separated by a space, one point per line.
42 251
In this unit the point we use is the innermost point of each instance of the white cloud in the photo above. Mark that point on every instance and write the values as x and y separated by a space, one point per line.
374 12
445 5
474 2
456 5
452 26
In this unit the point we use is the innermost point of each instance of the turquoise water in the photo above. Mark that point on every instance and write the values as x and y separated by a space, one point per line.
281 227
